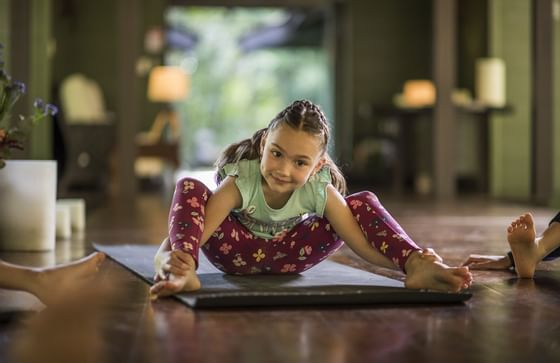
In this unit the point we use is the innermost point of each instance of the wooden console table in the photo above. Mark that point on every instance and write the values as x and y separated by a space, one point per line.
406 118
168 151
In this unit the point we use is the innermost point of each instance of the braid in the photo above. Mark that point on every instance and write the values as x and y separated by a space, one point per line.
248 149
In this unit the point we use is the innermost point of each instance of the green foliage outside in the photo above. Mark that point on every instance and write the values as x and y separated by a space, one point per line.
235 93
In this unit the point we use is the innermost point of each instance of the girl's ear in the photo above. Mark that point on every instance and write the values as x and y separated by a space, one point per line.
319 165
263 142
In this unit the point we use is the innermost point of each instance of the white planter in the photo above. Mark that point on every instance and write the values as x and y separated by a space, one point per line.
28 205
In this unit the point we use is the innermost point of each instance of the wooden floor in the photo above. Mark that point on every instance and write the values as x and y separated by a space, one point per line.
506 320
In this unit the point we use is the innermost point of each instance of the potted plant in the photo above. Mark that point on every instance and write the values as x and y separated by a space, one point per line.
14 131
27 187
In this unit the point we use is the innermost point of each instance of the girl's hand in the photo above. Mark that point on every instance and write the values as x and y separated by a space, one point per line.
175 272
180 275
162 255
168 262
487 262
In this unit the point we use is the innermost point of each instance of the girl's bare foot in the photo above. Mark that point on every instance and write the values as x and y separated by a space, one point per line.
51 282
175 284
425 270
521 236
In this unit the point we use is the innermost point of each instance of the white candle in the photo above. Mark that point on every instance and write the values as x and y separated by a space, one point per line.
27 210
63 226
491 82
77 209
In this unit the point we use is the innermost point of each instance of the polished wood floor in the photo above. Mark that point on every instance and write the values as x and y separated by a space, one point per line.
506 320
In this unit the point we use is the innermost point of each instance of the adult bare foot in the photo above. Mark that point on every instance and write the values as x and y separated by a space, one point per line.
522 238
52 281
427 271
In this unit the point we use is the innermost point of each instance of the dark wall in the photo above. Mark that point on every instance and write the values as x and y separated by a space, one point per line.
392 40
85 33
472 42
86 38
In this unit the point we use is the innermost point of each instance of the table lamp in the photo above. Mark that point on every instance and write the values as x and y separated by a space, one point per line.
419 93
166 84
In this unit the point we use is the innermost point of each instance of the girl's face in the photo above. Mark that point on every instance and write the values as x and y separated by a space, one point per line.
289 158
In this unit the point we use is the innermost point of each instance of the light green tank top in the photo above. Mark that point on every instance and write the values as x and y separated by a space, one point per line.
265 221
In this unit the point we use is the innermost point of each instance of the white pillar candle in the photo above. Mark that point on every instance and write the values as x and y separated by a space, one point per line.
490 82
63 226
77 209
27 205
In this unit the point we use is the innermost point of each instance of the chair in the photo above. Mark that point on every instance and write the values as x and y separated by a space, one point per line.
88 134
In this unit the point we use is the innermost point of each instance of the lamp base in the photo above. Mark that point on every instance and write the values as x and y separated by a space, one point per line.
165 117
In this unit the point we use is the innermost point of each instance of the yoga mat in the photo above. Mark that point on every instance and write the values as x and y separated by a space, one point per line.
328 283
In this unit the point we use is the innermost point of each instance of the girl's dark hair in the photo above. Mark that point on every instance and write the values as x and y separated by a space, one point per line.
300 115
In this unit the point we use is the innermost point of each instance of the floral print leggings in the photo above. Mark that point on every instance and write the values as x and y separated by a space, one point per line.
233 249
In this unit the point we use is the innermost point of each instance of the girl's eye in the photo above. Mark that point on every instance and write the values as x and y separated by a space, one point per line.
300 163
276 154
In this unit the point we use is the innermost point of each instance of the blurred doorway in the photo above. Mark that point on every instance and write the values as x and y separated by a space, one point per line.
247 65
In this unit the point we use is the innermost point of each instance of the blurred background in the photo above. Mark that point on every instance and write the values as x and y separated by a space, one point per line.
427 98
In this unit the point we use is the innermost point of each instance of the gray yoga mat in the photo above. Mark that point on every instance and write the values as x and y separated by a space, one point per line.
328 283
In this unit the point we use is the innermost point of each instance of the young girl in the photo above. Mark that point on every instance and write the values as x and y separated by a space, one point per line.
527 250
279 208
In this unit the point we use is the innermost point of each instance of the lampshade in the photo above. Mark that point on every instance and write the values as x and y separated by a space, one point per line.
167 84
419 93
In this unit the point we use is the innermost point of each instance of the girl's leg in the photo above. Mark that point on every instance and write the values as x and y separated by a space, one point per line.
234 249
185 226
381 229
186 216
424 269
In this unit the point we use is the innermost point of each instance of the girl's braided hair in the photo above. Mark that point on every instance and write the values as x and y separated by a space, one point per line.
300 115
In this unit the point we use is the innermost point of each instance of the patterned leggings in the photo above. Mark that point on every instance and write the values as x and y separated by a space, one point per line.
233 249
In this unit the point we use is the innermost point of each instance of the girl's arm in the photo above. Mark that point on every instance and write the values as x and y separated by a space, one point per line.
345 225
225 198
